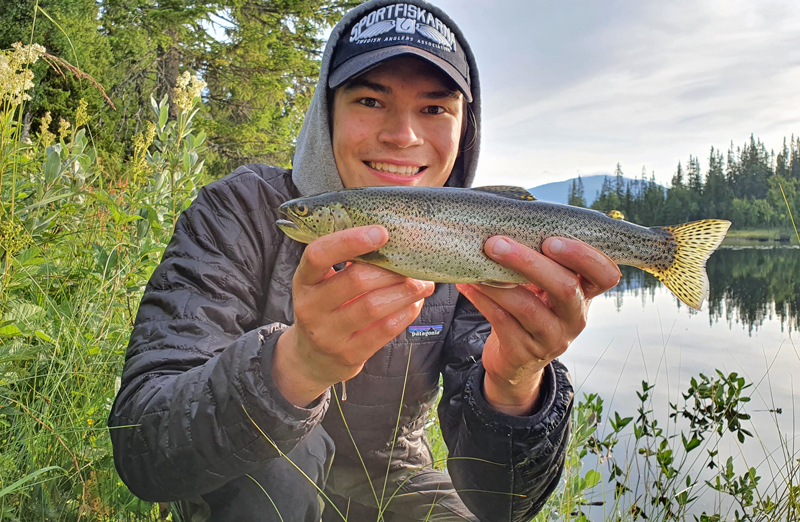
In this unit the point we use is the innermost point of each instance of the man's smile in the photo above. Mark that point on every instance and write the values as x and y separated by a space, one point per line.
394 168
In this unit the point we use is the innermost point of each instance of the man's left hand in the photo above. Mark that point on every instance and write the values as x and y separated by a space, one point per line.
535 323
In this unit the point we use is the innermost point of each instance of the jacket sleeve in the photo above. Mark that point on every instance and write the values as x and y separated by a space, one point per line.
197 389
504 467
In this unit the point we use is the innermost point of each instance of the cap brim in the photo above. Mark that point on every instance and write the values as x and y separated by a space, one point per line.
363 62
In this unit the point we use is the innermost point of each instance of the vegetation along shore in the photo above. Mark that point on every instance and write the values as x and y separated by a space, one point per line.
99 157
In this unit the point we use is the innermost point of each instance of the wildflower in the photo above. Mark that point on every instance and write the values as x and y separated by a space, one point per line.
63 128
27 54
15 79
45 136
187 89
81 115
141 143
13 237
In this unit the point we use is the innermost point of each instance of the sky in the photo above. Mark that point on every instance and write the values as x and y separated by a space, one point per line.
576 86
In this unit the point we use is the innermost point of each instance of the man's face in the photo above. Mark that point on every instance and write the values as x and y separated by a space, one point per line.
398 124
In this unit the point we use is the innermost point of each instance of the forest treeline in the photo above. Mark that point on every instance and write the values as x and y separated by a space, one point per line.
743 186
259 59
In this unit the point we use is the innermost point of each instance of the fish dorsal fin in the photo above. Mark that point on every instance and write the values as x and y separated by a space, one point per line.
507 191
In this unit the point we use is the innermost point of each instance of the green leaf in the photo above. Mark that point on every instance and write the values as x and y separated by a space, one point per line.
592 478
52 167
162 116
9 329
692 444
27 478
44 337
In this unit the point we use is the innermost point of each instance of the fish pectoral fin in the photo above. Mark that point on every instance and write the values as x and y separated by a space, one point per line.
499 284
507 191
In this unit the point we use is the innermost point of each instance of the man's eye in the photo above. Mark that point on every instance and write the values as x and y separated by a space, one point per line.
369 102
434 109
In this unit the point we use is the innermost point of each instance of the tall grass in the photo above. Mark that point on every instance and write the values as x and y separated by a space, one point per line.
75 254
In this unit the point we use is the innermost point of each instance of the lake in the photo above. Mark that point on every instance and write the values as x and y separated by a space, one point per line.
639 331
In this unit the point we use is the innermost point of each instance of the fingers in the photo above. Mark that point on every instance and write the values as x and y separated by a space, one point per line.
321 254
520 343
379 304
353 281
598 272
380 332
562 286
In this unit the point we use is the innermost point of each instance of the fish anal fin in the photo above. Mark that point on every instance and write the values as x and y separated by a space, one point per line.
686 276
507 191
499 284
375 258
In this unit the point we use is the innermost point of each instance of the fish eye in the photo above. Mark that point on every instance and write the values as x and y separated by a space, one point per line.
301 209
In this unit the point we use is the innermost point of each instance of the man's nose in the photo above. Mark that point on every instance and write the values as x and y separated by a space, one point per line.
400 129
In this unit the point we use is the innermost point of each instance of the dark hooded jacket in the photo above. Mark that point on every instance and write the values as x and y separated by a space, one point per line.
197 395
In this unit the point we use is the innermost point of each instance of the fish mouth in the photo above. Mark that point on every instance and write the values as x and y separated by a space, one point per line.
296 230
393 168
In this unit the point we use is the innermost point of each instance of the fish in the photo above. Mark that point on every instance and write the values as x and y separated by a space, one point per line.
438 233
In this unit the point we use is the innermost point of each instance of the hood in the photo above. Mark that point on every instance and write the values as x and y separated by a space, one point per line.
314 168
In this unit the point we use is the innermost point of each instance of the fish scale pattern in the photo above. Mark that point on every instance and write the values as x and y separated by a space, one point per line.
438 234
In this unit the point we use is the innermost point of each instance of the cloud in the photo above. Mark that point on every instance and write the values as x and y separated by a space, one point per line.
575 87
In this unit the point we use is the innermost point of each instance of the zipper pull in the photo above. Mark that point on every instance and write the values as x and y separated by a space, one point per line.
344 391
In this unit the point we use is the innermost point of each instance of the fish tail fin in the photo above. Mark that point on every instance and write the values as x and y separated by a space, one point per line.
686 277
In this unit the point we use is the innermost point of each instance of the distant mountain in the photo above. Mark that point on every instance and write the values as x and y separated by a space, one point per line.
558 191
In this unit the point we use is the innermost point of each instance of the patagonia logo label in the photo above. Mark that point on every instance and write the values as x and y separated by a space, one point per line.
433 331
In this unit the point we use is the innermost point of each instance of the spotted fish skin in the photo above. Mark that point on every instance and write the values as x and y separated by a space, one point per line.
438 234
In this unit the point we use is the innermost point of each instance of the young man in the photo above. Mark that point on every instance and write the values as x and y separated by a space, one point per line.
232 383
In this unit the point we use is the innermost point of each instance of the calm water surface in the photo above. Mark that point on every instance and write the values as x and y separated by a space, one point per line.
639 331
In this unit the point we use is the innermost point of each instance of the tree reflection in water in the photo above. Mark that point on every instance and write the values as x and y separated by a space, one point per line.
748 285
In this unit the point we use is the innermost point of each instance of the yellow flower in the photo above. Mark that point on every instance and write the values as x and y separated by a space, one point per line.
13 237
47 138
63 128
81 115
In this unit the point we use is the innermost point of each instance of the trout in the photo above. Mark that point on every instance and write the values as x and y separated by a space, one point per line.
438 234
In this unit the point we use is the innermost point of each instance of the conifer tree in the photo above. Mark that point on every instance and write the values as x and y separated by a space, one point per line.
82 46
794 166
619 183
575 196
783 162
718 194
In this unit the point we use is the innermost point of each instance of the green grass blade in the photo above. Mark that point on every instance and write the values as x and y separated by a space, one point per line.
27 478
790 213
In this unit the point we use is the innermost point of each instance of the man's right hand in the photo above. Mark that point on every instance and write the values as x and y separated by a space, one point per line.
341 318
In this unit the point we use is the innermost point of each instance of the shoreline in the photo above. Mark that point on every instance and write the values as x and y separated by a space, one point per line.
760 236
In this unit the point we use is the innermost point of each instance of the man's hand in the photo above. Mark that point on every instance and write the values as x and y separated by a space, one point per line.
535 323
341 318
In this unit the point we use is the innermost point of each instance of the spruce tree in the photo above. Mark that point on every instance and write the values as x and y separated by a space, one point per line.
794 166
575 194
59 92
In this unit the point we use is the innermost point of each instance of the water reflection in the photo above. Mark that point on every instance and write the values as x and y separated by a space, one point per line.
748 326
748 285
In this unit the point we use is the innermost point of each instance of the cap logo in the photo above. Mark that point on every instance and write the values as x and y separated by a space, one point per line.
406 20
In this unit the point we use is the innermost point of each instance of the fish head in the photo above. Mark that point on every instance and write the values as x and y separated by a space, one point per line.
313 217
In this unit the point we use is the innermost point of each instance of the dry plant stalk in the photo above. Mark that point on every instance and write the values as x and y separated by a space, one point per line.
57 63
